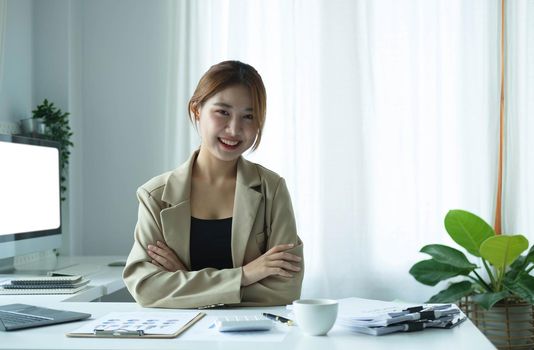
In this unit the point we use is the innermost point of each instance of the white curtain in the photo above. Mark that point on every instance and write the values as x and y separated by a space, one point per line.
519 185
382 116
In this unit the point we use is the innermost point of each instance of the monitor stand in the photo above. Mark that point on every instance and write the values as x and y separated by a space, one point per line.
7 266
38 267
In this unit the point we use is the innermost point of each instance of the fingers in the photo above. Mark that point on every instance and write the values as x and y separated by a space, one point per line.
285 256
280 248
165 257
162 261
284 265
278 261
280 272
162 249
158 264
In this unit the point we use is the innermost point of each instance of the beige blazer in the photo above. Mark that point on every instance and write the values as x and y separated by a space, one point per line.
262 218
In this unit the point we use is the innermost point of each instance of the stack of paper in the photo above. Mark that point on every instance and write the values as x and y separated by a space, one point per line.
392 319
43 285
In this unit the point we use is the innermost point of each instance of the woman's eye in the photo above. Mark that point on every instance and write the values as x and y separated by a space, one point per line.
248 116
222 112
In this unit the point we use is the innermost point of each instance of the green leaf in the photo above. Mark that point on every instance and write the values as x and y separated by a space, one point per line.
447 255
523 287
468 230
516 269
453 293
530 256
502 250
430 272
487 300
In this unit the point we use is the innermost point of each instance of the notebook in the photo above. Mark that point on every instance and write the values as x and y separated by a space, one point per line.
43 285
20 316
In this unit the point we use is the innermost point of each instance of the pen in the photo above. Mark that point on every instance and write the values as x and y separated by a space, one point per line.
278 318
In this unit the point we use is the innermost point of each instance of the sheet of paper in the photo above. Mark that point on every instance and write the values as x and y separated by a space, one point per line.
203 329
148 322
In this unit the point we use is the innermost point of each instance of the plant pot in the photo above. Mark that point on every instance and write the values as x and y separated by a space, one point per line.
508 324
32 126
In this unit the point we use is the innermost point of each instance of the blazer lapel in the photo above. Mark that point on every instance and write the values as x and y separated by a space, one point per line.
176 222
246 202
176 219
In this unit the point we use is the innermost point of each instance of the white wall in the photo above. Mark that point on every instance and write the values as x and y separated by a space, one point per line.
106 62
54 56
124 96
16 85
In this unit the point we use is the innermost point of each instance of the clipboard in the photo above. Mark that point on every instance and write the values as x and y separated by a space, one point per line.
105 329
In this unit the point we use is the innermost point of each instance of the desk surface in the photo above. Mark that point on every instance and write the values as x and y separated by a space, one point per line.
465 336
104 279
107 280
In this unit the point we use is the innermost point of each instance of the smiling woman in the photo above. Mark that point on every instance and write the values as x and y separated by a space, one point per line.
219 229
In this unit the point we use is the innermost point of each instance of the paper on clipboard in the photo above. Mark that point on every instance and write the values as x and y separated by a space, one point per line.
138 324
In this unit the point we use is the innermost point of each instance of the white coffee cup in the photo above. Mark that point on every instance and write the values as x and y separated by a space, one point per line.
315 316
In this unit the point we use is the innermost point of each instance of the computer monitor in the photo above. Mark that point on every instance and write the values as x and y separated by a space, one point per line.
30 195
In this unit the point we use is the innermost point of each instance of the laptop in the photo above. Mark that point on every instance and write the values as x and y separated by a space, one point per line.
20 316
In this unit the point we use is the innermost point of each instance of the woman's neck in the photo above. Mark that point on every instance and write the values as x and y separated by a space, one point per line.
213 170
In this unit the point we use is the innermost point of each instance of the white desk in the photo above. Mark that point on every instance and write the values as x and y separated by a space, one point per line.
107 280
465 336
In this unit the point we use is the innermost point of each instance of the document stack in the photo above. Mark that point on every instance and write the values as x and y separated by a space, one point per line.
44 285
390 320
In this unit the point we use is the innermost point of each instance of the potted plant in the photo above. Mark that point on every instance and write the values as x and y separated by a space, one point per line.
57 129
501 277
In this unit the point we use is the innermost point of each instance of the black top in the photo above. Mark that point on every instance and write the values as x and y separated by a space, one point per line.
211 244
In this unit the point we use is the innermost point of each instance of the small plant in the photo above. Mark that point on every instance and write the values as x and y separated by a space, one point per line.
506 269
57 129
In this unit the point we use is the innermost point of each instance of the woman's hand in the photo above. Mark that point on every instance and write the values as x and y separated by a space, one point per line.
164 257
276 261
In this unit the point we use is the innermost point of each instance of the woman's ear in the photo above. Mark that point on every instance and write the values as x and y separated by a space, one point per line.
195 110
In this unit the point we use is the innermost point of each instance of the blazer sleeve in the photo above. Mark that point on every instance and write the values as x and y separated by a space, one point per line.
153 287
278 290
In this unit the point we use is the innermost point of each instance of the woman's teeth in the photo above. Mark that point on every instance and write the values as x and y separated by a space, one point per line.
229 142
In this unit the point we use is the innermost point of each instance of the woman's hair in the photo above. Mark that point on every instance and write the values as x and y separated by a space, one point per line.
224 75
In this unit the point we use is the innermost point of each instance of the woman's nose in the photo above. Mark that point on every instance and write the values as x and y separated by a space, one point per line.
233 126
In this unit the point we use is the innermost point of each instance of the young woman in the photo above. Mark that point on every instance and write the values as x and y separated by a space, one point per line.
218 229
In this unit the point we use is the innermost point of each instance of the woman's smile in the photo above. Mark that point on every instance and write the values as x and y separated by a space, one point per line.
229 144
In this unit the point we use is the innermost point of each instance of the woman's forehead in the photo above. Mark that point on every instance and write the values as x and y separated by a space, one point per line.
237 96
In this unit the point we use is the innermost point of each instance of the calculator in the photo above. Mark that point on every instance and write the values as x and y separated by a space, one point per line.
243 323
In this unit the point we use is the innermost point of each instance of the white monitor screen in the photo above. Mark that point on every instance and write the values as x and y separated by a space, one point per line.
30 197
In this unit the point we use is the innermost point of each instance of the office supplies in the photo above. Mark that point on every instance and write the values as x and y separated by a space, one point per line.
43 285
46 280
20 316
287 321
243 323
395 319
139 325
41 291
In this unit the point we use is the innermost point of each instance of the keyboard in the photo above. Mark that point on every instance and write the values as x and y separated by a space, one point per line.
12 318
20 316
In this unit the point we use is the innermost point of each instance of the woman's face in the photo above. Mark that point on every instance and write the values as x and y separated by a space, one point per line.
227 125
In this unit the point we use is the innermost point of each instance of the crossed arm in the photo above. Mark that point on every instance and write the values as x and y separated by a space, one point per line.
276 261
